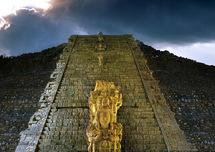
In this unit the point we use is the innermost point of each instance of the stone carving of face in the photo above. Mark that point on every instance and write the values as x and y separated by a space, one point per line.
105 102
104 119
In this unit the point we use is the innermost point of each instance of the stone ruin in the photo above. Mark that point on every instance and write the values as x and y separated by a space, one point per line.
65 121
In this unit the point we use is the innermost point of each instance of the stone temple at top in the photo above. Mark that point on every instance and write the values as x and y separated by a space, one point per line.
102 97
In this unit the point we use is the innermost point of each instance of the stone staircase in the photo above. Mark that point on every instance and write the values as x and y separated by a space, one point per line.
70 118
141 131
66 122
65 130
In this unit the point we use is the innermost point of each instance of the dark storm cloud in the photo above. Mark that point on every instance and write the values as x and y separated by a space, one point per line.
159 20
31 32
169 21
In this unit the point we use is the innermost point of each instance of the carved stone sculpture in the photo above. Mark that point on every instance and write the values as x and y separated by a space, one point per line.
100 57
100 38
104 133
101 46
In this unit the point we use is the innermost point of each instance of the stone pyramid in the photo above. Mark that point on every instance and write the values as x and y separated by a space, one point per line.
61 121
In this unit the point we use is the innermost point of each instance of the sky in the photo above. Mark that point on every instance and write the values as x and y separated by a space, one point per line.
185 28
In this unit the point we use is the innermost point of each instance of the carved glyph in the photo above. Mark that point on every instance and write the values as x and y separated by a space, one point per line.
100 57
104 133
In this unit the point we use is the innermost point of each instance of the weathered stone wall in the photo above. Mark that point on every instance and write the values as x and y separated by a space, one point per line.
22 80
188 87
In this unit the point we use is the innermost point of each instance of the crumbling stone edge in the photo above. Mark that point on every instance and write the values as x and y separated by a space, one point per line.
174 137
29 138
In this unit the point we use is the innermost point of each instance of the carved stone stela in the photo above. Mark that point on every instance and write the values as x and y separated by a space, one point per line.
104 133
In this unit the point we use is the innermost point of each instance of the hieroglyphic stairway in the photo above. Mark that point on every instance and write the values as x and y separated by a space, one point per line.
61 121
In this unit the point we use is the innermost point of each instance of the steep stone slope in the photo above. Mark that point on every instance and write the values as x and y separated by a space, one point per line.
22 80
188 87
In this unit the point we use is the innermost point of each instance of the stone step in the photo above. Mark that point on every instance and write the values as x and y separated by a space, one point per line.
145 148
61 148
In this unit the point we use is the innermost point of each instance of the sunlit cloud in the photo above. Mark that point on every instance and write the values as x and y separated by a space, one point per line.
3 23
4 52
200 52
10 7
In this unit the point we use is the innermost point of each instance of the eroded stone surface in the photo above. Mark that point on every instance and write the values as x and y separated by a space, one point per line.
22 80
